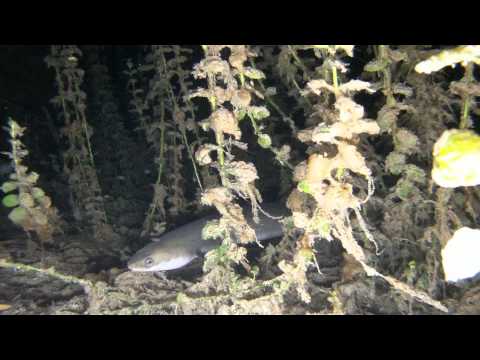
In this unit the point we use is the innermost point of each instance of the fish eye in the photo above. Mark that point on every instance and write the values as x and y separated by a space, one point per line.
148 262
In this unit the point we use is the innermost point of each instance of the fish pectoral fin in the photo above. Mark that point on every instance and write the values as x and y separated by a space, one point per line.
162 275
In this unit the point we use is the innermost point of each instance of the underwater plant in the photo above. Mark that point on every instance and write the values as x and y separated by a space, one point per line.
454 153
31 208
345 136
456 149
78 159
237 178
165 117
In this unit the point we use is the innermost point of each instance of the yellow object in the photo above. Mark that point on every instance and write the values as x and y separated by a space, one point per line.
456 159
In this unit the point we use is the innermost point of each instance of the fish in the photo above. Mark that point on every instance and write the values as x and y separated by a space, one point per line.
181 246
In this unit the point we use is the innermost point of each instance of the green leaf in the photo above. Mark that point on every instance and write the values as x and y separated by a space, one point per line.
241 114
405 141
415 174
264 141
9 186
258 112
38 193
254 73
375 66
395 162
386 119
303 186
17 215
10 200
405 189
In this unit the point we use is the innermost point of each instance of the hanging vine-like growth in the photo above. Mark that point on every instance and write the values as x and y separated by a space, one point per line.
78 159
165 116
230 91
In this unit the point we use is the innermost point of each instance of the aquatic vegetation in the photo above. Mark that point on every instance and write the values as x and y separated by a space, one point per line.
159 109
237 178
453 155
30 208
364 144
78 159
